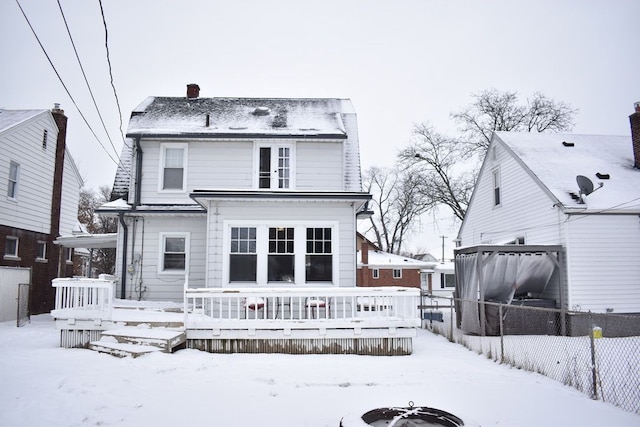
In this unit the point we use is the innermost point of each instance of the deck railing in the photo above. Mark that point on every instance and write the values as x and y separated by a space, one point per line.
301 308
84 298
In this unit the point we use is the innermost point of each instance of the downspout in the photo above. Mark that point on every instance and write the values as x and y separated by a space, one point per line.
136 201
125 236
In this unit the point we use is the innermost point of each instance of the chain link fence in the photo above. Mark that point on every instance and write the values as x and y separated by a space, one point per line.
598 354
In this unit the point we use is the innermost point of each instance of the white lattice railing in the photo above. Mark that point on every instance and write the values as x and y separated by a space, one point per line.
84 298
301 308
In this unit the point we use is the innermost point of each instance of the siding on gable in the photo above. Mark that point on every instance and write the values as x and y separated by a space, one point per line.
525 210
603 256
23 145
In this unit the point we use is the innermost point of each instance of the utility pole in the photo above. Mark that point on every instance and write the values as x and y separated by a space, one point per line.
443 237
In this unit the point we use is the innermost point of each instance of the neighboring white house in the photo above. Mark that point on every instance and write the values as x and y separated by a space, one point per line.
39 193
536 189
237 192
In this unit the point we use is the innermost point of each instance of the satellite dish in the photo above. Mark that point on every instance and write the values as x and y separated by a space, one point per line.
585 185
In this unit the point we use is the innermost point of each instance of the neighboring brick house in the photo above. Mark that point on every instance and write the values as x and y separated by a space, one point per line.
378 268
40 187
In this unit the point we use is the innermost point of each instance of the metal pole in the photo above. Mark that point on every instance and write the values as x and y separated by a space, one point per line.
501 334
594 376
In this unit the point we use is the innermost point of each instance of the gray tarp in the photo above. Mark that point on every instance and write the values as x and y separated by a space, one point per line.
504 274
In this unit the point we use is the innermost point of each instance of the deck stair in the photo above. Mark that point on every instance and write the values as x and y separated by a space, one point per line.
136 341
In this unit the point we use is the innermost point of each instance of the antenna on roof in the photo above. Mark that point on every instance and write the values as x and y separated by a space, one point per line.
586 186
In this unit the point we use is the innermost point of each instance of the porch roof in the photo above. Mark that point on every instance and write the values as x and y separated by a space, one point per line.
199 195
91 241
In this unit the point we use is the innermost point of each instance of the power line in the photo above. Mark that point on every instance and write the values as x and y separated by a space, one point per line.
86 80
106 46
63 84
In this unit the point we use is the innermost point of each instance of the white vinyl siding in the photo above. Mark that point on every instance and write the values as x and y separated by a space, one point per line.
526 209
319 166
211 164
71 185
31 210
598 285
145 257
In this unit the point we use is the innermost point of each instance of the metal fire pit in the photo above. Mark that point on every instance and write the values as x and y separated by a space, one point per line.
411 416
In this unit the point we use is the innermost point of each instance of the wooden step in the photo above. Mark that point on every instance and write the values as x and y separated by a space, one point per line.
165 340
121 349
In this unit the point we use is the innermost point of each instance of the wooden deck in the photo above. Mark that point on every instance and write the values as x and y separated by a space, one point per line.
376 321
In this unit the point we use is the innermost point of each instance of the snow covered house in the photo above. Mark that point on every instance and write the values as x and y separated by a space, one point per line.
379 268
556 216
246 210
41 187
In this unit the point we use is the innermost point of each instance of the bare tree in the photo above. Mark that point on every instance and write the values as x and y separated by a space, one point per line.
398 201
492 111
104 259
448 167
445 167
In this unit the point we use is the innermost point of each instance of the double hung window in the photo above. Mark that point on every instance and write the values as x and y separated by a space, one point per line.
496 187
173 167
243 256
11 247
174 250
281 258
41 251
12 190
319 258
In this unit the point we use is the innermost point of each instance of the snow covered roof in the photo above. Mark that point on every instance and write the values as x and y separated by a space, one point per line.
228 117
249 118
386 260
555 160
10 118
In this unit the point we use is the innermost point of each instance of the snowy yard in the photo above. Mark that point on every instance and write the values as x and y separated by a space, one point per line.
46 385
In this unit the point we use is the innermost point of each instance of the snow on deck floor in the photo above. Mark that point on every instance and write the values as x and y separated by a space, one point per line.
42 384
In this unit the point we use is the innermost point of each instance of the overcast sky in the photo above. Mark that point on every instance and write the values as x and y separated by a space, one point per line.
400 61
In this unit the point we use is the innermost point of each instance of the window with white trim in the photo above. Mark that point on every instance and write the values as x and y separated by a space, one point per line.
41 251
447 280
12 189
496 187
281 258
243 255
319 257
11 247
173 166
287 253
173 253
275 166
375 273
397 273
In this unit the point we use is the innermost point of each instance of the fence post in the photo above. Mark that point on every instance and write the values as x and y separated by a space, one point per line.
594 377
451 317
501 333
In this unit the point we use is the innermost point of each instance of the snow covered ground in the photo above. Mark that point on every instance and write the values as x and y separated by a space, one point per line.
42 384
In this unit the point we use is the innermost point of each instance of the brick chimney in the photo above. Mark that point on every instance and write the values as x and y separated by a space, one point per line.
193 91
635 134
